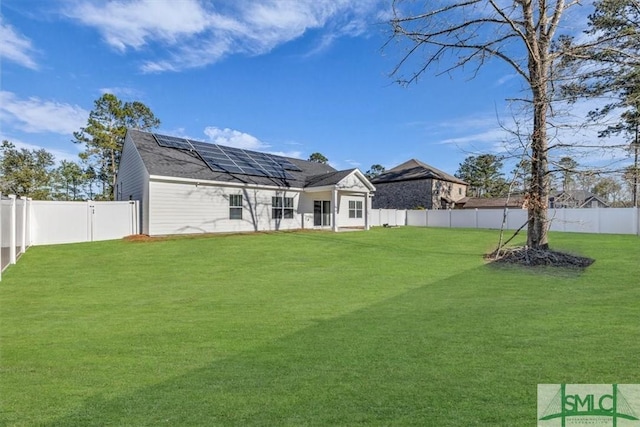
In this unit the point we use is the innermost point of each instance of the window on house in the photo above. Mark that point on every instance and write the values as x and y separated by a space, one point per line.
355 209
235 206
459 191
281 207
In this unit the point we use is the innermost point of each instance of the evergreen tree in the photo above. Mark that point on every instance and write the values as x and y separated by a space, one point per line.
318 158
375 171
71 179
608 67
104 135
567 168
484 176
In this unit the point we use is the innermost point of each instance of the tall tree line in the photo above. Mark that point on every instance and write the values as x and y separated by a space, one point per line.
608 67
33 172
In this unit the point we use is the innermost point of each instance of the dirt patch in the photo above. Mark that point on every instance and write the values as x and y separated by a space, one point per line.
141 238
539 257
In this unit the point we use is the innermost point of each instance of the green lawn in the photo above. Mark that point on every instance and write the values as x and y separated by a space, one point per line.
401 326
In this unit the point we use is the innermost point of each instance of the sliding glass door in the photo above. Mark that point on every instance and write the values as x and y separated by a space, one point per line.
321 213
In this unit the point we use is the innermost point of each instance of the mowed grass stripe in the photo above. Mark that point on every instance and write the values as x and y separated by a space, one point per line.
403 326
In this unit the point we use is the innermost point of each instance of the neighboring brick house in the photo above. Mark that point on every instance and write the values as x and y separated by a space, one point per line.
416 185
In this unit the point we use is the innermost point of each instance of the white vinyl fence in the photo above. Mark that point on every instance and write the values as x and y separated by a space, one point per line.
26 222
603 220
14 230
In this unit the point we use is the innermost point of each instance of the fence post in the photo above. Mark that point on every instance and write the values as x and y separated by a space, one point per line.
90 212
476 209
12 230
0 235
506 218
23 243
29 221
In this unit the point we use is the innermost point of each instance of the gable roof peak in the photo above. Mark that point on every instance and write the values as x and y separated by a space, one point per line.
415 169
411 163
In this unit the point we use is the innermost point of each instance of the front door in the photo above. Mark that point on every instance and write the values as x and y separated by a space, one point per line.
321 213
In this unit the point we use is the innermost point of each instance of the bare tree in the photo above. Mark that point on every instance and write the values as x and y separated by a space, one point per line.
521 33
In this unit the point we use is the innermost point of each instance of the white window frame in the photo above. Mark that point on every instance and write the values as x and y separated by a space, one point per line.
282 207
355 208
235 206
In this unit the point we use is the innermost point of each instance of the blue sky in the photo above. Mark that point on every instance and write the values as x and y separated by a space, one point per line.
288 77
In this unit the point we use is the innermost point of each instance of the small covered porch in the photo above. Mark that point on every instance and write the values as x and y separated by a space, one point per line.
339 201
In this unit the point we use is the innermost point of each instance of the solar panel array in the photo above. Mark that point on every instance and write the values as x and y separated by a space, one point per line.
232 160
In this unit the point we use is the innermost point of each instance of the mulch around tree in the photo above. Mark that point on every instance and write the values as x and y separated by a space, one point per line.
539 257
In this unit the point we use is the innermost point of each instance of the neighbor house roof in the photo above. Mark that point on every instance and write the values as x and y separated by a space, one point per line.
415 169
579 197
172 162
491 202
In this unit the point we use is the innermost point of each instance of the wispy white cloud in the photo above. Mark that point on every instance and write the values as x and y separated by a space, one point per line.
197 33
15 47
132 24
35 115
506 78
294 154
478 133
234 138
490 136
570 134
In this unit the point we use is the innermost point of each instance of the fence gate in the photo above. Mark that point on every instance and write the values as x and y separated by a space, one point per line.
55 222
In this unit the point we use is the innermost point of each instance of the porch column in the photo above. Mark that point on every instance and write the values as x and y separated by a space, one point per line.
334 210
367 209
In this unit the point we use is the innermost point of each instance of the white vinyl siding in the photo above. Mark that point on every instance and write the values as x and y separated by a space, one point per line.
348 212
132 182
188 208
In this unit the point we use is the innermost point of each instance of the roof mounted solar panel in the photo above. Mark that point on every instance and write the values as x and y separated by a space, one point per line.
172 142
232 160
287 164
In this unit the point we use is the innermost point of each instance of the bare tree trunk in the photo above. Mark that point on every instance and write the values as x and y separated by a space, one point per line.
538 39
520 33
539 189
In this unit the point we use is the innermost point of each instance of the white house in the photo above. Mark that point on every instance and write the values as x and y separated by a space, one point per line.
186 186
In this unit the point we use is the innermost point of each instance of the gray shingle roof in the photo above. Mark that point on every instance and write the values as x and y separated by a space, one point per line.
415 169
579 197
329 178
171 162
516 201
